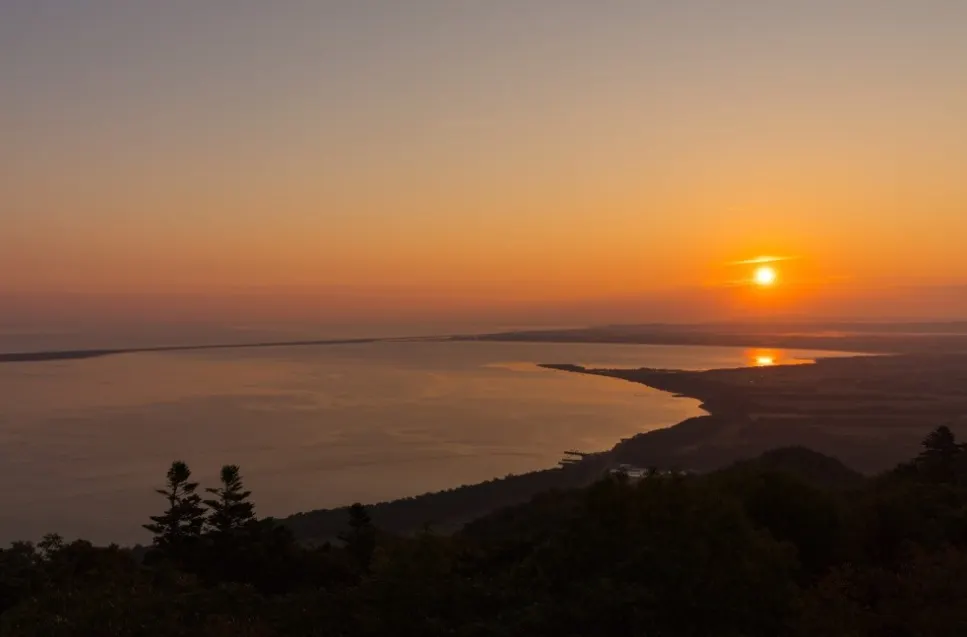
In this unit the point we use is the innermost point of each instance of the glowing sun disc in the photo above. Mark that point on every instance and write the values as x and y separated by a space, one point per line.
765 276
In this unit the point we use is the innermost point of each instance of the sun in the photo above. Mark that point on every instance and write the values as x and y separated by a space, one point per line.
765 276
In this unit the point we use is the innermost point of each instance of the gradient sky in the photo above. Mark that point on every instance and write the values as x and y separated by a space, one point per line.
330 159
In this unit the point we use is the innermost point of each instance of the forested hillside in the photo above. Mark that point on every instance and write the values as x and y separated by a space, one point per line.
789 544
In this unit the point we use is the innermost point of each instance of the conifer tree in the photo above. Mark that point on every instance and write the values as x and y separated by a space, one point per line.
185 516
942 459
361 538
230 509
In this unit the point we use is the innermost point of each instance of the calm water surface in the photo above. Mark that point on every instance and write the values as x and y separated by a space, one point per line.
83 443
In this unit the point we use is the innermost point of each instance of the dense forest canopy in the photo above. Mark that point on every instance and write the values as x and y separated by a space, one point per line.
791 543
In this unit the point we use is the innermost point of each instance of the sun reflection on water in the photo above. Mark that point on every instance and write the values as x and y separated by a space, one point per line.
763 357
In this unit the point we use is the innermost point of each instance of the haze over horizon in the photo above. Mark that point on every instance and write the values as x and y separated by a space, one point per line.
377 164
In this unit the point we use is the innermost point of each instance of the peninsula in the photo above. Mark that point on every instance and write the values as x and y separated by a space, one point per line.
869 411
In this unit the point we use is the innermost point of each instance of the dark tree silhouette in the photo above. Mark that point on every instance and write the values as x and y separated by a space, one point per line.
185 516
230 509
786 544
941 441
50 545
942 459
361 538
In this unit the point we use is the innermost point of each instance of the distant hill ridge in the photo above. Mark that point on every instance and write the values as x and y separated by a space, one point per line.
480 505
809 466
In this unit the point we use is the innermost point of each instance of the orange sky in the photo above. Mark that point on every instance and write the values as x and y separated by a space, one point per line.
310 161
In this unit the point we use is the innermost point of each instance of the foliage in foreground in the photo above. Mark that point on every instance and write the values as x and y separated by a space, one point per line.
749 551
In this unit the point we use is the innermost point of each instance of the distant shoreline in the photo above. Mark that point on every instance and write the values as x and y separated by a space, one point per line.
859 343
862 339
82 354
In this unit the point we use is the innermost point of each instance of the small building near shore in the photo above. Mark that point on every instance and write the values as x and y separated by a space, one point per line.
637 473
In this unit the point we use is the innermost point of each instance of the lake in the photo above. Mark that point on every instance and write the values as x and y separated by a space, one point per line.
84 443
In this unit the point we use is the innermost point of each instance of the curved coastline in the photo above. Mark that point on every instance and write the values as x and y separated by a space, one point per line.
870 412
450 509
